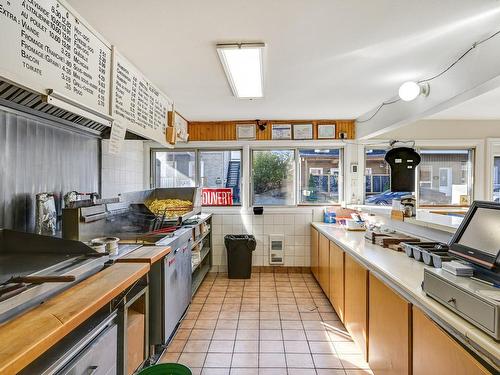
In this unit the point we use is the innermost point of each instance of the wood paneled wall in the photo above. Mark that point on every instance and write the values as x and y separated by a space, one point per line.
226 130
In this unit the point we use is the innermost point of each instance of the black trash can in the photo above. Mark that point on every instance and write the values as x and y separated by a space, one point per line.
239 249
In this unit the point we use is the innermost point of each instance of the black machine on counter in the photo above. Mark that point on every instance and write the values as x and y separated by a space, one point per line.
477 242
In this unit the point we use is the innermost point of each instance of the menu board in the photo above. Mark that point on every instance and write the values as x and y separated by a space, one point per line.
44 46
138 102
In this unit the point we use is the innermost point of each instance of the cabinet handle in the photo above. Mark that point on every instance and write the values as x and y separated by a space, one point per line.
452 300
92 370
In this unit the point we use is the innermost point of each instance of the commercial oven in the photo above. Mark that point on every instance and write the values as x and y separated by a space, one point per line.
90 349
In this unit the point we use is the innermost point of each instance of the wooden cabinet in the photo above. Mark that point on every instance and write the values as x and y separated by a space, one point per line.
356 303
435 352
337 279
324 264
314 252
389 328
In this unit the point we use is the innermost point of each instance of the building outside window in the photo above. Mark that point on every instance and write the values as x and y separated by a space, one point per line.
221 169
445 177
174 169
273 177
496 179
320 176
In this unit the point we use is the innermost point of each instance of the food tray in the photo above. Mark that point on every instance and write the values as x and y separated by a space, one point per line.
191 194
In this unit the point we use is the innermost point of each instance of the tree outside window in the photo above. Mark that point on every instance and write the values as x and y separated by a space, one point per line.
273 177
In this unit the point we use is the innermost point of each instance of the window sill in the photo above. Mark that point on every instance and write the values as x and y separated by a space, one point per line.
267 210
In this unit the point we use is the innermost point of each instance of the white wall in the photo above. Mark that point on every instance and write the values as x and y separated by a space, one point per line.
130 171
294 226
446 129
125 171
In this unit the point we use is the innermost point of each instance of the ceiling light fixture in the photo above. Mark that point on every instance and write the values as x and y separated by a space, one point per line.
410 90
244 68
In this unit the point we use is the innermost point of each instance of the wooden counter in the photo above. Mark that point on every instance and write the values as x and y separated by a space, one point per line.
404 277
146 254
24 339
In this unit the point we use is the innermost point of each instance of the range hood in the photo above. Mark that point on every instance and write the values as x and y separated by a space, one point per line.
52 107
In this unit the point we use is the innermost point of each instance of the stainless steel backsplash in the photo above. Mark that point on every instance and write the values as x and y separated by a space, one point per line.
36 156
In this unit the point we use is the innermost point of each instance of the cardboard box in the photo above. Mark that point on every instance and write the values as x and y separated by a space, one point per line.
135 340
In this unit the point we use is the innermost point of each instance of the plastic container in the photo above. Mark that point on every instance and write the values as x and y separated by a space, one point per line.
166 369
330 217
239 249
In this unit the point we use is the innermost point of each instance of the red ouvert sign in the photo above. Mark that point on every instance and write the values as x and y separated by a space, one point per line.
217 197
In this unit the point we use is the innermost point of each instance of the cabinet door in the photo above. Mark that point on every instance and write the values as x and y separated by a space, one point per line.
314 252
389 316
337 279
435 352
324 264
356 303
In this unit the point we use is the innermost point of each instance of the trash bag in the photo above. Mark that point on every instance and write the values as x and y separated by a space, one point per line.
239 249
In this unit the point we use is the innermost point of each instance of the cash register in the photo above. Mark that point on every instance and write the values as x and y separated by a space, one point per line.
477 243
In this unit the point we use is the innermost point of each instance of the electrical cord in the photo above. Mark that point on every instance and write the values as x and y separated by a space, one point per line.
474 45
378 110
392 142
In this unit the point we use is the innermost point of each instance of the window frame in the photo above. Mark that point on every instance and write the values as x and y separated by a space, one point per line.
247 196
198 169
472 153
152 169
363 176
251 202
493 156
470 148
299 176
197 166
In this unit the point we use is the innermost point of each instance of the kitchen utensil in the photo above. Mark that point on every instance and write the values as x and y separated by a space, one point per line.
42 279
111 243
98 246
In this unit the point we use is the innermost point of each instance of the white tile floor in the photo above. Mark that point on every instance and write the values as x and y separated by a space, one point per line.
272 324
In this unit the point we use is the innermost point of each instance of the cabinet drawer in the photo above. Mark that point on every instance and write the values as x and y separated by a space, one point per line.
99 358
462 303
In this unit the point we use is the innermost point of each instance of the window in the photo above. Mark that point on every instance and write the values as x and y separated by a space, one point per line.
445 177
320 177
173 169
273 175
378 179
496 179
221 169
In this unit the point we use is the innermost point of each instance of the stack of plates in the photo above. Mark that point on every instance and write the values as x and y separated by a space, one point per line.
458 269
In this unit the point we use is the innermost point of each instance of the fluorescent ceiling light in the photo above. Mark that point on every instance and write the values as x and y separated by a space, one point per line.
244 68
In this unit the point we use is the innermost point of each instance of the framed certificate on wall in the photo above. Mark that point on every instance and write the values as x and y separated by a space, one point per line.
282 131
302 131
245 131
326 131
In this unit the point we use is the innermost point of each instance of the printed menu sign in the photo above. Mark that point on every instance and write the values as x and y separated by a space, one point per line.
44 46
138 102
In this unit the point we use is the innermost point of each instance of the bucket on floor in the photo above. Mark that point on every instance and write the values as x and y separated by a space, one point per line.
166 369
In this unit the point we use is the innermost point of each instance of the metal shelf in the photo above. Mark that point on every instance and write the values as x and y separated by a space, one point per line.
201 238
199 276
204 253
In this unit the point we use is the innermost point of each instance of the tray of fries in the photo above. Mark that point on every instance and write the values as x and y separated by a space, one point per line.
167 204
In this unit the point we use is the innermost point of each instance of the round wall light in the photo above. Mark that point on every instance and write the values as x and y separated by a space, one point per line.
410 90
